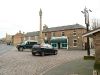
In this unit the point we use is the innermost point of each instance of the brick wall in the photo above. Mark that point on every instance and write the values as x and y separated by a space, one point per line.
18 38
69 34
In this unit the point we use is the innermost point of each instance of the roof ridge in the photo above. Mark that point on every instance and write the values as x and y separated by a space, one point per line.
61 26
74 26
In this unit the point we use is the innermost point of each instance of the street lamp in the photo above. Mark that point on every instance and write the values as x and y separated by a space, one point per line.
86 15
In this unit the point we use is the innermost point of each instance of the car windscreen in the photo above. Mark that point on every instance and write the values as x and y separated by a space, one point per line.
36 46
47 46
23 43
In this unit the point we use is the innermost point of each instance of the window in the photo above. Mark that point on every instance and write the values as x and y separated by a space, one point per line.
28 43
64 45
45 34
63 34
29 38
32 43
54 45
75 42
74 33
53 33
24 38
36 38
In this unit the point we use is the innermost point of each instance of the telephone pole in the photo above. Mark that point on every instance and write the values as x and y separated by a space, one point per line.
86 15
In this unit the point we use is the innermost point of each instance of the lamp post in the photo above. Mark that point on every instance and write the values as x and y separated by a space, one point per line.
86 15
40 14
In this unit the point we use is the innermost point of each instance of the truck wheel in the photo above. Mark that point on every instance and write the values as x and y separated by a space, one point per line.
18 49
21 49
42 53
33 53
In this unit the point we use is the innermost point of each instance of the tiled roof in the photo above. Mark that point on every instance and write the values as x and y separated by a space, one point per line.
64 28
36 33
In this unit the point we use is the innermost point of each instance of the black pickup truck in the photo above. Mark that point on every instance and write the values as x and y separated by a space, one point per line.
25 45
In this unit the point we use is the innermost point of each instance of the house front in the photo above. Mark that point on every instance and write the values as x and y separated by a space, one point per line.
17 38
65 37
8 39
32 36
20 37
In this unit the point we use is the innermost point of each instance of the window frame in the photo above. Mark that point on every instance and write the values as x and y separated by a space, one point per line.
64 44
53 34
74 33
62 33
55 44
45 34
75 42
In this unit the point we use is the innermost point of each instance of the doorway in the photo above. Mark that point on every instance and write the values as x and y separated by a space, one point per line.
58 45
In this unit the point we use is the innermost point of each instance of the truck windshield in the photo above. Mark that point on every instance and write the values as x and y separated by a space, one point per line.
23 43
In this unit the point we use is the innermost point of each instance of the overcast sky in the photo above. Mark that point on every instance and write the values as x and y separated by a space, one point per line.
23 15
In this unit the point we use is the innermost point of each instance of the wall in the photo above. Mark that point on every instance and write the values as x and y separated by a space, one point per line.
69 33
96 38
18 38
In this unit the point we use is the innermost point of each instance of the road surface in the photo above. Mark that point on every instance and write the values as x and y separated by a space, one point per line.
5 48
13 62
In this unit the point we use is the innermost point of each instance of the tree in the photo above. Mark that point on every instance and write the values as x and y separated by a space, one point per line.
95 23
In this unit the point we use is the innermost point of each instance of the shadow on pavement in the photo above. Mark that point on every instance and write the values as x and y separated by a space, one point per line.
75 67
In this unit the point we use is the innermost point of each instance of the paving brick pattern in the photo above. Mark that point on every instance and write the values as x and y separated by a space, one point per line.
23 63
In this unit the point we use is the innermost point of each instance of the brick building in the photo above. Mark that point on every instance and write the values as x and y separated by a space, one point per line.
8 39
69 36
17 38
20 37
32 36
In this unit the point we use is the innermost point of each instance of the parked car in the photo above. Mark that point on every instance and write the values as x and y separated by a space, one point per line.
26 45
43 50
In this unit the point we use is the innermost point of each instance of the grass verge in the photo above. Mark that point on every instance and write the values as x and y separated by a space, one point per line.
89 57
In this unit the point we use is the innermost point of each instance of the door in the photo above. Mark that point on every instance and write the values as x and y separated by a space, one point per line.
58 45
27 46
